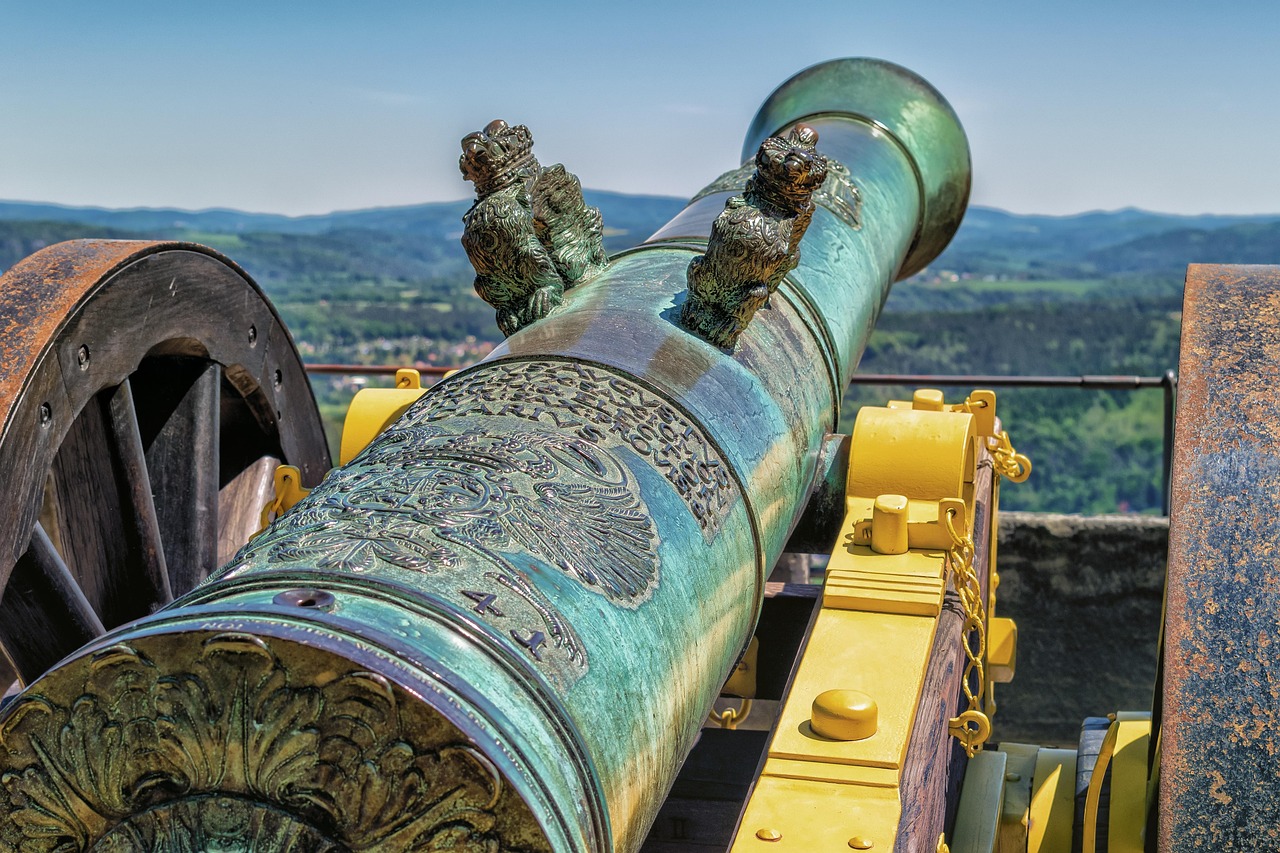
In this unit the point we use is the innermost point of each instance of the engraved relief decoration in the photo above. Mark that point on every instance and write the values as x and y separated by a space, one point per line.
215 749
498 476
425 499
602 408
435 491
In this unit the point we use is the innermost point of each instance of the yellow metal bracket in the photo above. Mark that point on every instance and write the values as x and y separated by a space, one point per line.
372 410
832 771
1053 802
898 524
1002 649
1124 750
287 482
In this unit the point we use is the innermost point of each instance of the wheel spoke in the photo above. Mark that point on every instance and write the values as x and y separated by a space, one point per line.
86 502
240 504
8 675
44 615
135 487
178 403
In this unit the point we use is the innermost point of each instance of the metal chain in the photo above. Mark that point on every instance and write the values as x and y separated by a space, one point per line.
972 727
729 718
1009 463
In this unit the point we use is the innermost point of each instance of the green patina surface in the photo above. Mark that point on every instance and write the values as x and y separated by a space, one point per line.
560 552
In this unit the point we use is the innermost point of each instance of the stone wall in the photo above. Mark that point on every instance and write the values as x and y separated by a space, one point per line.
1086 592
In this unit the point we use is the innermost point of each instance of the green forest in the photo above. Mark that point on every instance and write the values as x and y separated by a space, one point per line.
1098 293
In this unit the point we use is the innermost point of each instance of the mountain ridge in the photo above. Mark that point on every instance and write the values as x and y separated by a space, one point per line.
410 241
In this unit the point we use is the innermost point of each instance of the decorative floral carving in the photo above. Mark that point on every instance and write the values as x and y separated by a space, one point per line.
149 758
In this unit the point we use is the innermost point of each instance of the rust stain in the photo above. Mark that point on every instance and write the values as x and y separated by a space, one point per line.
40 293
1221 718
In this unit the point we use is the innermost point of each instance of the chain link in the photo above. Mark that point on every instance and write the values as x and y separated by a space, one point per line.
729 718
972 726
1009 463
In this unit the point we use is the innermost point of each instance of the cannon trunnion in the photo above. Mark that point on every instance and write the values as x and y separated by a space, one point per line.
502 625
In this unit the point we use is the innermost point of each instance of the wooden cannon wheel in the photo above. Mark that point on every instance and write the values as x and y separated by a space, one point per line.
147 393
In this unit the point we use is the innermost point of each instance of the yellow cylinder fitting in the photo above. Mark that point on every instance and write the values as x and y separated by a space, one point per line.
889 525
923 455
372 410
927 400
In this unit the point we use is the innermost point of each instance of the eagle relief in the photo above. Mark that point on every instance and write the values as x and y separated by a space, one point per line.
475 495
504 484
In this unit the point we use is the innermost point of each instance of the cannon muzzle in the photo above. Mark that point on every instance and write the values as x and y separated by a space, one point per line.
502 625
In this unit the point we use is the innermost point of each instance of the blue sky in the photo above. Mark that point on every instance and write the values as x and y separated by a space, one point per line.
320 106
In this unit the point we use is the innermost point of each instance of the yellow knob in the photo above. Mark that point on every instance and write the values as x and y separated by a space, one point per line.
927 400
844 715
889 525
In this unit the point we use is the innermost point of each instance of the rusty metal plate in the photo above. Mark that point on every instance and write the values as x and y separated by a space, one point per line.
37 295
1220 768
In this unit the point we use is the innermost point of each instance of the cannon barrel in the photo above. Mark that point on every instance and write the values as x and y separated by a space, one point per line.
502 625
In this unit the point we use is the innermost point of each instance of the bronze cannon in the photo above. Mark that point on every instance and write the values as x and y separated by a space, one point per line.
502 625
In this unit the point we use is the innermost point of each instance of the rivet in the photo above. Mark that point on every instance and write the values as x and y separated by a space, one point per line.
253 336
316 599
82 357
860 843
844 715
1013 777
768 834
278 379
46 414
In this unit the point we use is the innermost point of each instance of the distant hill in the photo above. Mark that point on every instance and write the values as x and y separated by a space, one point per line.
1246 243
1087 245
628 218
422 239
154 219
